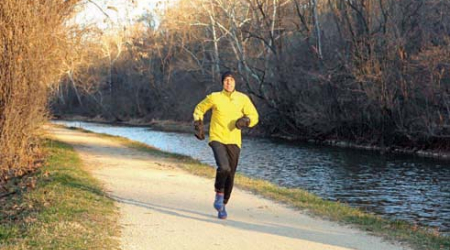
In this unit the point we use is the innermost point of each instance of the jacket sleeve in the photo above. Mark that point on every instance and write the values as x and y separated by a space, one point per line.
202 108
250 111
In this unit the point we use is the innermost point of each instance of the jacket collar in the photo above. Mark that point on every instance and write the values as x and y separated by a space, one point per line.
229 94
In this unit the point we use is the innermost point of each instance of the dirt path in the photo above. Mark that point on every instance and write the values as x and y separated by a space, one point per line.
163 207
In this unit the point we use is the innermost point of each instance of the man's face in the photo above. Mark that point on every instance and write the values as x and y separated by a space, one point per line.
228 84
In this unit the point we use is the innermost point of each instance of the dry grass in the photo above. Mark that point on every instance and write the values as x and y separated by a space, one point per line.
34 40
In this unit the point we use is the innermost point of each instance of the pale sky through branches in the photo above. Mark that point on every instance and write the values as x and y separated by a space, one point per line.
103 13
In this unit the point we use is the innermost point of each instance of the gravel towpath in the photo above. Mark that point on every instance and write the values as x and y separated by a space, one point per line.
164 207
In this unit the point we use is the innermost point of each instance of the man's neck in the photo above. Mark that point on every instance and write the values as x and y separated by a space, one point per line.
228 92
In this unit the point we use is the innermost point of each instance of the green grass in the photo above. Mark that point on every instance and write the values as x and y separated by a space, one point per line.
67 209
417 237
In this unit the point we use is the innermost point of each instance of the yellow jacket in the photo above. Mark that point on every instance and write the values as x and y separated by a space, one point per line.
227 109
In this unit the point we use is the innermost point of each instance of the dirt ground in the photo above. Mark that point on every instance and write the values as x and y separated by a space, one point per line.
164 207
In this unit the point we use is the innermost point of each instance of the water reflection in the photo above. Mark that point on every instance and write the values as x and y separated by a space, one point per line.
405 188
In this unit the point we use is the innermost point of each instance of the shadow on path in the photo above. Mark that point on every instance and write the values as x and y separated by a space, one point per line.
323 237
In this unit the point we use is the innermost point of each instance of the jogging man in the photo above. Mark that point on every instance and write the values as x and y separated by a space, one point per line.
231 112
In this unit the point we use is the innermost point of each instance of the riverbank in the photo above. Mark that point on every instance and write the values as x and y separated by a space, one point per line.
61 206
420 238
186 127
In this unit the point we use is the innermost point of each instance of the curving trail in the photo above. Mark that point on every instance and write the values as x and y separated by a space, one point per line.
163 207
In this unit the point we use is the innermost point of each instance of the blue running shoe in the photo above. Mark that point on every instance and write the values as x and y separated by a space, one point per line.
218 202
222 214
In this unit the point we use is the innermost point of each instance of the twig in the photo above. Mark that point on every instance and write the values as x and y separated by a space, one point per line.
7 194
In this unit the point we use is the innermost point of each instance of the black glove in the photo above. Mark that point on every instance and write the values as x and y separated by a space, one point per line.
199 133
242 122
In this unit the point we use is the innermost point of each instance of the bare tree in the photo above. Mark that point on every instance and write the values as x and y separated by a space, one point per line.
373 71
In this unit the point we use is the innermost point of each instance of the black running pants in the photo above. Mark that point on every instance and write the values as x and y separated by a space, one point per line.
227 157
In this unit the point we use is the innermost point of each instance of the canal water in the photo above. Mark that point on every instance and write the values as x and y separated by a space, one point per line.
396 187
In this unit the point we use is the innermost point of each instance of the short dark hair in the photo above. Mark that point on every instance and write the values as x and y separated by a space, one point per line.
226 74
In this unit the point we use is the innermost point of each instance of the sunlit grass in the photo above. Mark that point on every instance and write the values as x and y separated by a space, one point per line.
66 210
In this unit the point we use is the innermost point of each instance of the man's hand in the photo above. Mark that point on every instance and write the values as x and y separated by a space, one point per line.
242 122
199 133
